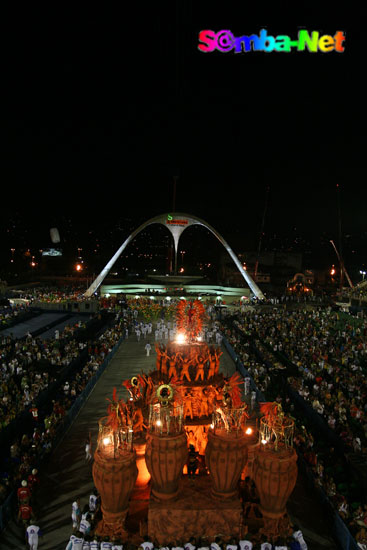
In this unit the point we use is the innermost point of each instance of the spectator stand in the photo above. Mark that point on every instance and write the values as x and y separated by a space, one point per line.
341 532
8 507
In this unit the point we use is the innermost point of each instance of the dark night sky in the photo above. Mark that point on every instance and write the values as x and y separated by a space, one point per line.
103 108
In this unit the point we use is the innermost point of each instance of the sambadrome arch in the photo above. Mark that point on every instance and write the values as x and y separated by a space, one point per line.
176 223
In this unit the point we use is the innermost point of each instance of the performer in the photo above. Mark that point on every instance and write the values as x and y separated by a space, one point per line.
217 354
88 449
212 365
158 360
188 405
148 347
200 367
164 357
24 493
203 400
33 532
192 461
172 371
186 362
138 421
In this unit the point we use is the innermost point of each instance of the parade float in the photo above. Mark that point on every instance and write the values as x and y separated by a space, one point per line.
185 439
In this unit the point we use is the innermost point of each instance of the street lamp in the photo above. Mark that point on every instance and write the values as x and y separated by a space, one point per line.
363 273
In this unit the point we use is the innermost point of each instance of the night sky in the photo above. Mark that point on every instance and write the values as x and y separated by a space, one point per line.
104 108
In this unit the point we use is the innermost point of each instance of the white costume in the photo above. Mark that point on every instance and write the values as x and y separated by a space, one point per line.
84 526
245 545
75 543
93 503
32 534
75 514
298 535
88 454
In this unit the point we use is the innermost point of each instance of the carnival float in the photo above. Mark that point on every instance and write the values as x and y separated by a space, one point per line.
187 447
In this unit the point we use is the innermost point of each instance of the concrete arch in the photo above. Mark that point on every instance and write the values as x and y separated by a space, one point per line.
176 223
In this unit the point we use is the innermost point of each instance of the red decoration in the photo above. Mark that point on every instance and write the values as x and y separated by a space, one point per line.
234 382
189 317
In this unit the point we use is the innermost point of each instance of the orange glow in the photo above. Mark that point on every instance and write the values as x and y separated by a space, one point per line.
78 267
180 338
249 431
143 473
332 271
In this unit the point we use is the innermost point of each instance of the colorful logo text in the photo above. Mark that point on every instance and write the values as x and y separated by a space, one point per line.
225 41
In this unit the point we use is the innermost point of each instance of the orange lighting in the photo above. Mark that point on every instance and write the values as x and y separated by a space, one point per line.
78 267
180 338
249 431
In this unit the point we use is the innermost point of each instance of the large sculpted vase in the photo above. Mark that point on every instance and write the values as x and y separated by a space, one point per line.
165 457
275 475
114 479
225 457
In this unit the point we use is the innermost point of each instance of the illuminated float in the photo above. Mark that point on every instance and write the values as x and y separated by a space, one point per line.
186 434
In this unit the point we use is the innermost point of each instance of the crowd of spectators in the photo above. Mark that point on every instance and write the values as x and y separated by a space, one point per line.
331 360
29 365
9 314
38 363
52 294
327 355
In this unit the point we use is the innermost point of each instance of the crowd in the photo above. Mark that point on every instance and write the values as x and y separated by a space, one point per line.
11 313
331 360
85 520
51 294
328 356
29 450
29 366
85 539
322 355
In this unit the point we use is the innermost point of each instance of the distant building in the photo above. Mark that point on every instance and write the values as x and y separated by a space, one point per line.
275 267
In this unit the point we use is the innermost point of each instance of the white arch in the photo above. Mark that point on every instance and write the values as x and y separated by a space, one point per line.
176 223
